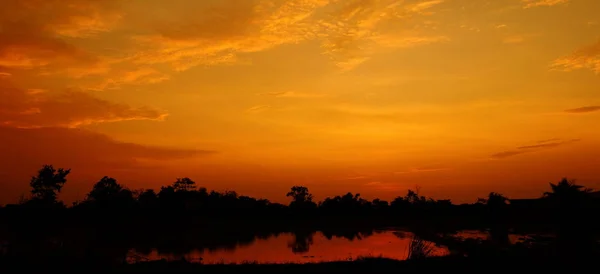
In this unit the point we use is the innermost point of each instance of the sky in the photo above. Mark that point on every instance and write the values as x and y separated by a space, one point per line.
457 97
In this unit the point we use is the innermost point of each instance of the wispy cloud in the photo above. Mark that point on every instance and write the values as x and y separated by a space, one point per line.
139 76
542 3
406 42
433 168
292 94
359 177
382 186
586 109
540 145
587 57
37 108
47 26
257 109
517 39
346 30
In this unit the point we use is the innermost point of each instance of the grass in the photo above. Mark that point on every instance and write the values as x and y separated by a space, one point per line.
434 264
419 249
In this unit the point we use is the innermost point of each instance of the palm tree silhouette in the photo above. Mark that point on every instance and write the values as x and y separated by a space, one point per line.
567 194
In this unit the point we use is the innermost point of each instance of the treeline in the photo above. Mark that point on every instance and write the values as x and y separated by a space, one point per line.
185 197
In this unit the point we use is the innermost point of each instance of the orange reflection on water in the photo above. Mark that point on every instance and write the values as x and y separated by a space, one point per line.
278 249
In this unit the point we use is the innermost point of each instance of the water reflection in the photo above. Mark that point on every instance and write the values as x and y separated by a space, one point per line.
299 247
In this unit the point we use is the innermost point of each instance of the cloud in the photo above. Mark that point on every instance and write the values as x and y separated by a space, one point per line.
587 57
351 33
406 42
586 109
292 94
542 3
547 145
501 26
346 30
226 30
257 109
33 32
351 178
37 108
540 145
381 186
139 76
83 145
5 74
433 168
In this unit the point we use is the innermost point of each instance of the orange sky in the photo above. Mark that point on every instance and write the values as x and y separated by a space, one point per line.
460 97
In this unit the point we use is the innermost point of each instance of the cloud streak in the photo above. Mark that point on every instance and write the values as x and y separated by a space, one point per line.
34 33
586 109
382 186
292 94
587 57
258 108
542 3
345 29
424 169
26 109
541 145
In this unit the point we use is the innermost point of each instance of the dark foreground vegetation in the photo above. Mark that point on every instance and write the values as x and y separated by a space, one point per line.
455 264
96 234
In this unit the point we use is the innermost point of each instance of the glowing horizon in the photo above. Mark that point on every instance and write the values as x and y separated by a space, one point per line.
459 97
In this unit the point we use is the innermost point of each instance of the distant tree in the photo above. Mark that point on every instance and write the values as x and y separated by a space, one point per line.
412 197
184 184
148 198
496 200
108 194
380 204
105 189
48 183
566 193
301 198
300 194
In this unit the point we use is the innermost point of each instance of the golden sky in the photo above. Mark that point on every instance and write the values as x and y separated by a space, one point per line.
460 97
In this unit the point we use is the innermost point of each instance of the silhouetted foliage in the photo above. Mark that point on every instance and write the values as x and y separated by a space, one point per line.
566 194
301 198
48 183
184 184
105 189
182 217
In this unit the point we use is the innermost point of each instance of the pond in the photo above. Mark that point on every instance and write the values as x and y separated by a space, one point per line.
298 248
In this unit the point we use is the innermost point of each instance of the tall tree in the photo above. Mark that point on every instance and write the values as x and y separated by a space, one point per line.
105 189
301 198
184 184
48 183
566 193
300 194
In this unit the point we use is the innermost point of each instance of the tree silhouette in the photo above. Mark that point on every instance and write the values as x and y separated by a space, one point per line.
184 184
301 198
148 199
496 201
566 193
48 183
105 189
300 194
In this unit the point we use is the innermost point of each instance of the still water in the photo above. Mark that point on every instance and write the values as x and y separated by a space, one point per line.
294 248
